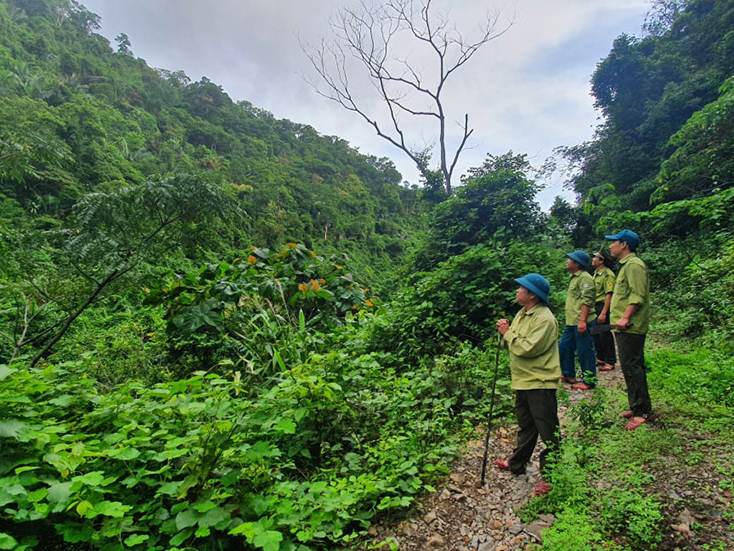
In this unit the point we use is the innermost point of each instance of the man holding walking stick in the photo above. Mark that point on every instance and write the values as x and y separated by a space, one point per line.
535 367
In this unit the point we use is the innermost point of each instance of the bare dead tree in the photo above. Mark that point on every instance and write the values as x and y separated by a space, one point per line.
376 40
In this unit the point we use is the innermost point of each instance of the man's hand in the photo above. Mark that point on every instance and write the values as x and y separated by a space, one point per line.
622 324
602 318
503 326
582 327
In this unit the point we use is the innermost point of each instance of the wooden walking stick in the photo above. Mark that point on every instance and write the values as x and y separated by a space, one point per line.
491 409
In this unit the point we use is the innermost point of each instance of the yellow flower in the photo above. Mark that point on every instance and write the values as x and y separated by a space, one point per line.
291 245
302 287
368 302
322 281
251 259
315 284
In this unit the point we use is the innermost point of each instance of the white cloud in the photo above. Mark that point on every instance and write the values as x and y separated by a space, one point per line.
527 91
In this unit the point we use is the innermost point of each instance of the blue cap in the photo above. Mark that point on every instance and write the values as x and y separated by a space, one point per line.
581 258
628 236
537 284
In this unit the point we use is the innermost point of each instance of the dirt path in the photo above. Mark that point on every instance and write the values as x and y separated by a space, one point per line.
462 517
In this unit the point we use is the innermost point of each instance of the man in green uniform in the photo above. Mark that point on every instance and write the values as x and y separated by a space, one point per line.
630 313
535 368
576 339
604 280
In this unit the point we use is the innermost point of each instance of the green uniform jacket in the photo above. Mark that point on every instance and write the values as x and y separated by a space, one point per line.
604 280
581 290
533 344
632 287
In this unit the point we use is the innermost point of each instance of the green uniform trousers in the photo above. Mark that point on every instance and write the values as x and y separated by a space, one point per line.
537 414
632 359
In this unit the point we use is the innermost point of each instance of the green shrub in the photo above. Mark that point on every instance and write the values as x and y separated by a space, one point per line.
256 312
575 530
459 300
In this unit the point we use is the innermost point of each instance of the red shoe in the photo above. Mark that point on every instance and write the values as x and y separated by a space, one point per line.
635 422
542 488
502 465
627 414
606 367
582 386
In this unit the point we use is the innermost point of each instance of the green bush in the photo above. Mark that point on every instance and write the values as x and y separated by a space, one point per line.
703 376
459 300
256 312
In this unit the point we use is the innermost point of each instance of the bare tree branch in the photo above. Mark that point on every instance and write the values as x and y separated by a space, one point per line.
363 42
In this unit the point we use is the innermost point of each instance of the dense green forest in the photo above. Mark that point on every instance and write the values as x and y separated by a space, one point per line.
224 330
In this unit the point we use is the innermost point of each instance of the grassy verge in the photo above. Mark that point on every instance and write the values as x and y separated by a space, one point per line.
665 486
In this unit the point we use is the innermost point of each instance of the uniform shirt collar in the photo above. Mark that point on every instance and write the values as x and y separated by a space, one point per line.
626 258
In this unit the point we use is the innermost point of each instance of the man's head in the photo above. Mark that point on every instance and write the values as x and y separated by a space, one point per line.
533 288
623 243
601 258
578 260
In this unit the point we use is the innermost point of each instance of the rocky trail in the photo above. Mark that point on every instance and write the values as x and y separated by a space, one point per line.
460 516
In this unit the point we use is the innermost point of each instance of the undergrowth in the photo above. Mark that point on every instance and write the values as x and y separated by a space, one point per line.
610 486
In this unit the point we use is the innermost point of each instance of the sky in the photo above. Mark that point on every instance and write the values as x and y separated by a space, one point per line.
526 91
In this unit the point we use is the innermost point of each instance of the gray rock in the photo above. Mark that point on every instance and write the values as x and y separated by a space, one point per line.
515 529
430 517
536 527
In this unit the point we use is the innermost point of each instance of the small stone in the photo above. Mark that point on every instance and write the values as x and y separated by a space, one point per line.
515 529
445 495
372 531
435 541
430 517
536 527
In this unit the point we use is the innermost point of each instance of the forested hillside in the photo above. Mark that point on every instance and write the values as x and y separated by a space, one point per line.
78 118
224 330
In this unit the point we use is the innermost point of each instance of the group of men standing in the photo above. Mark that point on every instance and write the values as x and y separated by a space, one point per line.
618 304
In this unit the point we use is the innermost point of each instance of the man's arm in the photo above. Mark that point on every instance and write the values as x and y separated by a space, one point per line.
624 321
605 309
